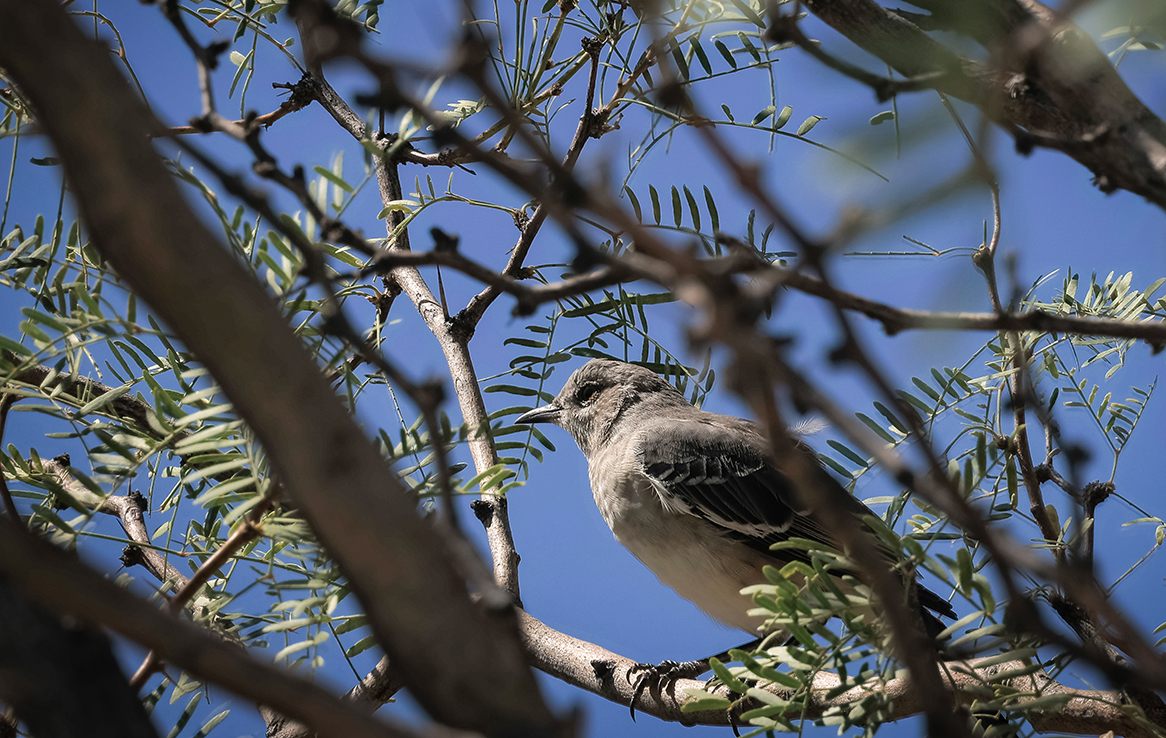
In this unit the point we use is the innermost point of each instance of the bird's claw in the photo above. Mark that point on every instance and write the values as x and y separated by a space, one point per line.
657 677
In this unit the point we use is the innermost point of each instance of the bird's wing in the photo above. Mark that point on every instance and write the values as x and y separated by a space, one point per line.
723 475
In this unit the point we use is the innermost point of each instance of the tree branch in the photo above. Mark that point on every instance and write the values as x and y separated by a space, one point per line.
56 580
1050 86
606 674
416 602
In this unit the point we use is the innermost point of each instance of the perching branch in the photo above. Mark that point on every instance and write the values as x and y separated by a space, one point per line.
604 673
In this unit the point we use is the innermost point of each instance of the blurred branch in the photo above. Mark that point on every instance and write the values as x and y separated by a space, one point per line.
59 675
1046 83
248 531
374 690
416 602
56 580
6 401
727 318
80 391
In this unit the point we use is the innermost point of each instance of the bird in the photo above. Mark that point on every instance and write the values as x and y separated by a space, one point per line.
694 495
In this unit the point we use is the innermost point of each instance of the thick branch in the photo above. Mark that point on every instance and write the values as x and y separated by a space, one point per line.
80 391
417 603
604 673
60 676
630 267
56 580
1052 83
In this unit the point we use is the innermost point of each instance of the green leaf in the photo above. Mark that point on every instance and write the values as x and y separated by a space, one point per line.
678 57
693 210
878 429
14 347
809 123
99 402
701 56
882 117
727 677
706 703
846 451
712 206
635 203
728 55
334 179
211 724
782 118
748 12
763 114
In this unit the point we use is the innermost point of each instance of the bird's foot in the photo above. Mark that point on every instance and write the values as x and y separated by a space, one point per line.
658 677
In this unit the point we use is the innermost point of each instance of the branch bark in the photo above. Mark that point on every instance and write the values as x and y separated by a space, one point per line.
417 603
60 676
452 335
1046 82
604 673
53 578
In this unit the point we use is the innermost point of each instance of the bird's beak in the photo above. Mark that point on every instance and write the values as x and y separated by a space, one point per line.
545 414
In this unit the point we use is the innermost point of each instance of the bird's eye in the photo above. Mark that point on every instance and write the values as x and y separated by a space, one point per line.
586 394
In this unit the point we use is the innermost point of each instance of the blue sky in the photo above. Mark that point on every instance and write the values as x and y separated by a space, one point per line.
575 577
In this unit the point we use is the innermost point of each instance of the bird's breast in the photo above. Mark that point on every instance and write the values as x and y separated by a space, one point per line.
684 551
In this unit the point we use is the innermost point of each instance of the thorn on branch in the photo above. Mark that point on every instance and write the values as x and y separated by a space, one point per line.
484 510
906 478
1025 143
474 55
1076 454
591 45
332 230
1096 493
780 29
387 98
444 136
302 92
131 555
520 219
429 395
843 353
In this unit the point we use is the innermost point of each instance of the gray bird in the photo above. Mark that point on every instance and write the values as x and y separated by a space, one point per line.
693 495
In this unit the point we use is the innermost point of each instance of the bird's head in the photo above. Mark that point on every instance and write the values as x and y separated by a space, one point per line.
599 396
